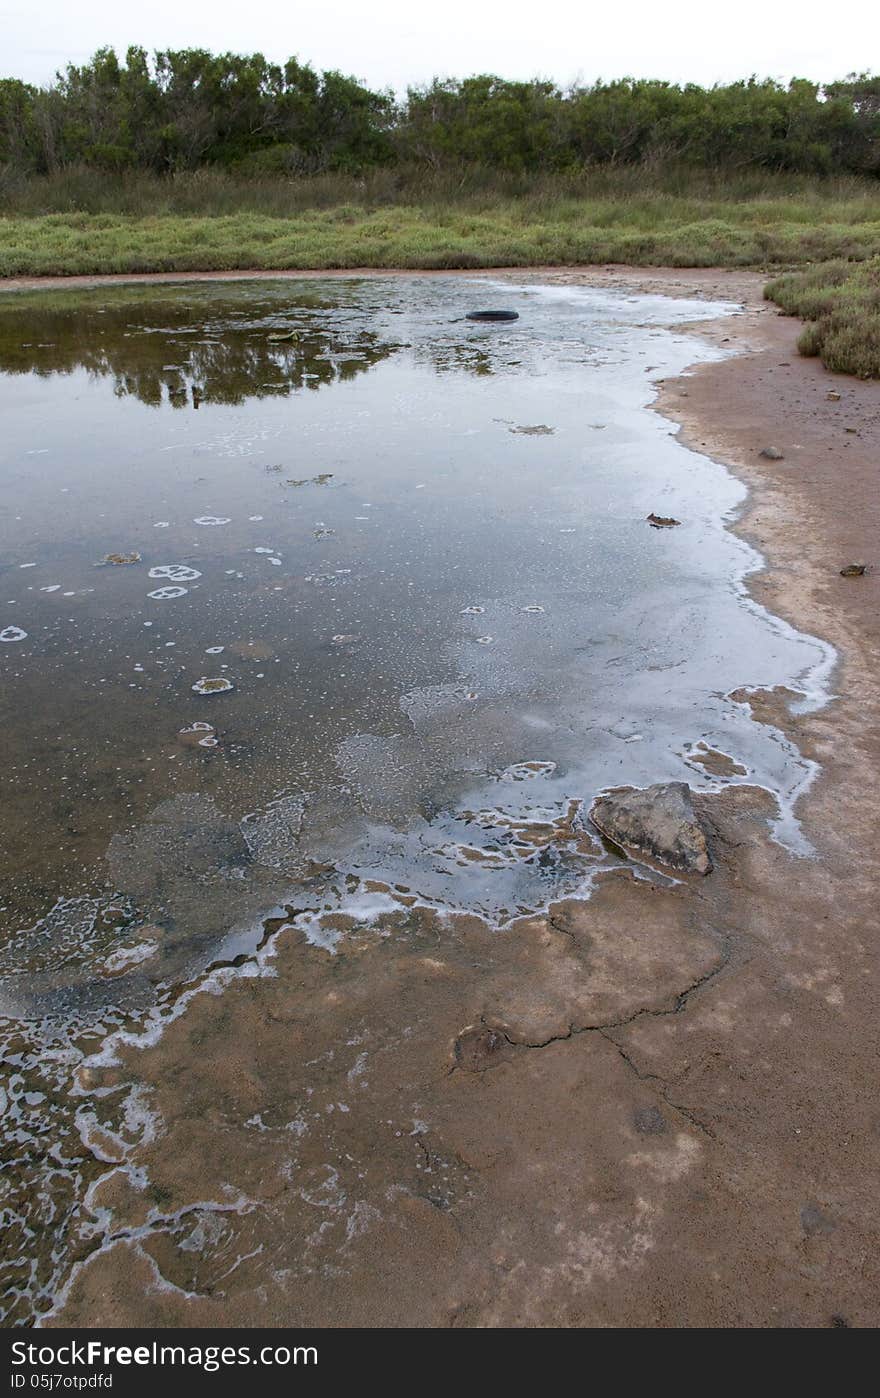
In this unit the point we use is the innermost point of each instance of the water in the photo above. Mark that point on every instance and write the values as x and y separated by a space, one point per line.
320 602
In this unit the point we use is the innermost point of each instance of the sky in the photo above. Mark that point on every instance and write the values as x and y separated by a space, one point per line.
393 43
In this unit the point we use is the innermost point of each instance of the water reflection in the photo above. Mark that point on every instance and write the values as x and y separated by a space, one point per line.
188 346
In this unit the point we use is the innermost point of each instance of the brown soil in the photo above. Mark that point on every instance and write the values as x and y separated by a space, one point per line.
657 1108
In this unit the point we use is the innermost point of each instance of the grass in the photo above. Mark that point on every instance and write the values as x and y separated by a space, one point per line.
350 236
84 222
841 302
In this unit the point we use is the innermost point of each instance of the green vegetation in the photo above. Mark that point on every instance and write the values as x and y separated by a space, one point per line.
211 221
841 301
183 109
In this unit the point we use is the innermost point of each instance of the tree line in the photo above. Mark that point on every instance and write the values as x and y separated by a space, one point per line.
183 109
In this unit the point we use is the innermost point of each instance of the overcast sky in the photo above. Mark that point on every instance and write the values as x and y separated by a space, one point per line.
391 43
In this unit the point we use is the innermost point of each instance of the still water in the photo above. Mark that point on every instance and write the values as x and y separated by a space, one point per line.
319 599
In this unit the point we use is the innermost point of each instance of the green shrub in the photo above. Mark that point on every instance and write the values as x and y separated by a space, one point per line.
841 300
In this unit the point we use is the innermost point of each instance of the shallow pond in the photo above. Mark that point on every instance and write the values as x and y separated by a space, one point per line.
319 598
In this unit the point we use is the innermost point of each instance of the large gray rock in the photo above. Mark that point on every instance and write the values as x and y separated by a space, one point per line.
657 821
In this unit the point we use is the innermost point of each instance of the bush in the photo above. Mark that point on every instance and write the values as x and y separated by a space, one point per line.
842 302
185 109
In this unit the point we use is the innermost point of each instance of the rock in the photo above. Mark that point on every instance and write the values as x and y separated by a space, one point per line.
493 315
771 454
657 821
662 521
833 396
217 684
854 570
120 559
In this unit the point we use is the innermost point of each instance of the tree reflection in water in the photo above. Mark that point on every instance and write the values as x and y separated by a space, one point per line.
187 345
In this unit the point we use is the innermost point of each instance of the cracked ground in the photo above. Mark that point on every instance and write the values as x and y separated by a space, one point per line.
599 1117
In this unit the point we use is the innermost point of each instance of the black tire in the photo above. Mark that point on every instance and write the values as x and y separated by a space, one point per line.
492 315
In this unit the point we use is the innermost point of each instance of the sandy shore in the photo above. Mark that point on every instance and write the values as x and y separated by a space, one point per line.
657 1108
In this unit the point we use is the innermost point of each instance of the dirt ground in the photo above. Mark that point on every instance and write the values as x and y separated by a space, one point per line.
657 1108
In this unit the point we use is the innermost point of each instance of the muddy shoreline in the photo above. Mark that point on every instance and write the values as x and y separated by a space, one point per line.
652 1109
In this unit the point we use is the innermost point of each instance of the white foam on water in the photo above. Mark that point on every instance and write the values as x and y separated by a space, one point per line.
130 956
167 594
175 572
528 770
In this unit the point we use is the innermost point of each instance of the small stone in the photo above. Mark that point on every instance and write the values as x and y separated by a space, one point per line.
662 521
854 570
212 685
771 454
833 396
120 559
657 821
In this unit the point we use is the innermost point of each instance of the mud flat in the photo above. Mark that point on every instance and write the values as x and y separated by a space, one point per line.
652 1108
